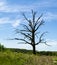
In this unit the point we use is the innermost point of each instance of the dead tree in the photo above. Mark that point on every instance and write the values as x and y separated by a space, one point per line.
30 31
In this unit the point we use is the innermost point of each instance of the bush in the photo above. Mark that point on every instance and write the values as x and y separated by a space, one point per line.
2 48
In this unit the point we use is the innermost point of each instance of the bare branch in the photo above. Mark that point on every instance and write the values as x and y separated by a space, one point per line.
26 35
47 44
18 31
26 27
30 23
36 33
40 24
39 17
23 40
33 14
25 17
41 40
37 21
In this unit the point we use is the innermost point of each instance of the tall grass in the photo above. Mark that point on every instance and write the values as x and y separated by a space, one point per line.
14 58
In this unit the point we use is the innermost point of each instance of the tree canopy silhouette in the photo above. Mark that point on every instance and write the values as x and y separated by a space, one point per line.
30 31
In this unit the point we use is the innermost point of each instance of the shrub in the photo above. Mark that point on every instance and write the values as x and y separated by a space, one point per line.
2 48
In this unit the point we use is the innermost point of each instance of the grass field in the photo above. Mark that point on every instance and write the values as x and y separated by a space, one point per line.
14 58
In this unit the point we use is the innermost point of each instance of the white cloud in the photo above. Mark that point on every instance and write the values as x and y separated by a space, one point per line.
52 47
16 23
52 42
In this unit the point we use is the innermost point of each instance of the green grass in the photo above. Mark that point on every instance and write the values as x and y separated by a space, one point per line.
14 58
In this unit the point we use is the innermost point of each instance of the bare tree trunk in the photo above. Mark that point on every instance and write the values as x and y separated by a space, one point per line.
34 50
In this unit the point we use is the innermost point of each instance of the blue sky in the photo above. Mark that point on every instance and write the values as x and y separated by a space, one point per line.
11 17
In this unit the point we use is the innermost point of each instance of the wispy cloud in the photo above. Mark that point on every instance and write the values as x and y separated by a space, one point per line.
16 23
5 7
52 42
4 20
50 16
52 47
